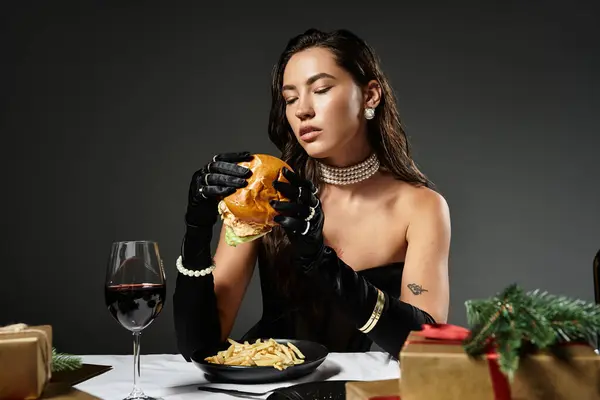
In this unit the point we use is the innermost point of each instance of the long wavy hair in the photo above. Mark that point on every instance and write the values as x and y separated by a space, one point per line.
385 133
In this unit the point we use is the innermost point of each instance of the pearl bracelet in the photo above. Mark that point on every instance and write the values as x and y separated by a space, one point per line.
189 272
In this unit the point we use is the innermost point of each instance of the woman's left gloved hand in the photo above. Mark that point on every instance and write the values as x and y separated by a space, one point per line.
301 217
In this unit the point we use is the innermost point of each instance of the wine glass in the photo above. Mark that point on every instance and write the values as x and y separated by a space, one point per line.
134 292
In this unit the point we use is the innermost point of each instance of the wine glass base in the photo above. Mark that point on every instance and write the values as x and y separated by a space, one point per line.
138 394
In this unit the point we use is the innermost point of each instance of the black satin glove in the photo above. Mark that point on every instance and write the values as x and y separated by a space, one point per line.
301 217
217 179
195 312
357 297
211 183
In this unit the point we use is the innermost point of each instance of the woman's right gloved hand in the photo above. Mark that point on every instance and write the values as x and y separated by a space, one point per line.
217 179
211 183
195 310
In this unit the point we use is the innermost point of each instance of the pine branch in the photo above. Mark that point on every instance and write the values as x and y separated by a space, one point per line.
508 344
477 311
481 334
516 323
570 319
64 362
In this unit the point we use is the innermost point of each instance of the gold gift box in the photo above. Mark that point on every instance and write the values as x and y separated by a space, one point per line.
438 369
367 390
25 360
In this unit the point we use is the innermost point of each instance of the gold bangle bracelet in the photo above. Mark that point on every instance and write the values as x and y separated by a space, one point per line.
377 311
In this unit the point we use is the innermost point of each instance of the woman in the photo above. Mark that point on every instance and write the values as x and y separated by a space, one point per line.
360 253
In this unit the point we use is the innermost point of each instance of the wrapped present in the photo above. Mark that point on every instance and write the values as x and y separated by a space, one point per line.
434 365
25 360
373 390
519 346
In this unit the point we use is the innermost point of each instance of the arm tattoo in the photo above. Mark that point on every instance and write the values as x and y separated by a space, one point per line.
416 289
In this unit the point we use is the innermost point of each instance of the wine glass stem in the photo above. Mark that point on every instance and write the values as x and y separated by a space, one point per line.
136 363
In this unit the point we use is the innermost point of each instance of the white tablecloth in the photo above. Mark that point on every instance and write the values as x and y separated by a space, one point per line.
169 376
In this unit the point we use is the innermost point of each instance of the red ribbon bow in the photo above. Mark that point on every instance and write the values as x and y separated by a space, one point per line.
444 332
455 335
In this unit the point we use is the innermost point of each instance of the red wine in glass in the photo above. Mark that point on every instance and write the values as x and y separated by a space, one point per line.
134 293
135 305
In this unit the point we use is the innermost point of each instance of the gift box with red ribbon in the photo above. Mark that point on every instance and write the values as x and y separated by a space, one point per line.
434 365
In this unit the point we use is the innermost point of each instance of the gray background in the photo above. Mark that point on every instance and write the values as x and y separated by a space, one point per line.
109 107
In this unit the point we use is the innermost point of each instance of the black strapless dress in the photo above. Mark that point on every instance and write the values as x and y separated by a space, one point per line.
290 318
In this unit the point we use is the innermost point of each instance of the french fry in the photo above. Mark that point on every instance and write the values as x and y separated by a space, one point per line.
296 350
261 353
288 353
264 362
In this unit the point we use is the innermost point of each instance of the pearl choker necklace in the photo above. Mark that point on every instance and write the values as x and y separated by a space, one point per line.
349 175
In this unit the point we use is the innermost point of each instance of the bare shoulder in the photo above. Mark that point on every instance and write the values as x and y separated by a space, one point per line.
422 206
427 201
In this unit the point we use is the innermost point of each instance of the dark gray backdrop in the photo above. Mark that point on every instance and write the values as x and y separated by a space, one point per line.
108 108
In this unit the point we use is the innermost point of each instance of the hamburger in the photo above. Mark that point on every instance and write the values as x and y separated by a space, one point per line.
247 214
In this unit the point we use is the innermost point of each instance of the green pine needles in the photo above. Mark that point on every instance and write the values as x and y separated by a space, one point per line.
516 323
64 362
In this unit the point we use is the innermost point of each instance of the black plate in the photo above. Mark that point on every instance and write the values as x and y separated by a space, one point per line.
326 390
314 353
